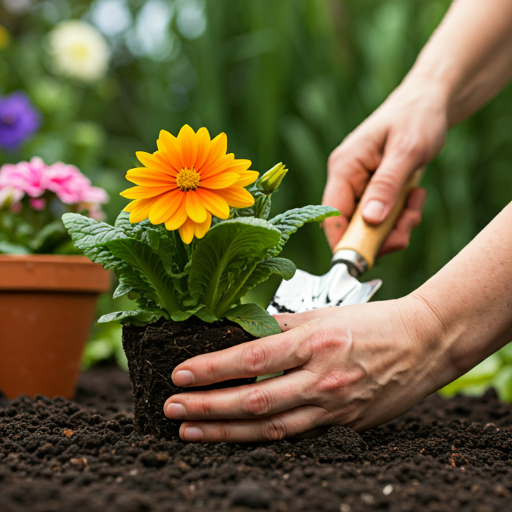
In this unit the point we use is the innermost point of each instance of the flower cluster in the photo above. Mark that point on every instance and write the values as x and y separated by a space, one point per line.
35 179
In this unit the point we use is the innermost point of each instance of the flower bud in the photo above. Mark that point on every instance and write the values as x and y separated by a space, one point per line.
269 182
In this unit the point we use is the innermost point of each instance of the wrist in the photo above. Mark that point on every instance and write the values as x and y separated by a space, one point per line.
438 87
432 340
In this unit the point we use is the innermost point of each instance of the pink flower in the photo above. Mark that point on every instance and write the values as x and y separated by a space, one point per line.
95 195
34 178
25 177
67 182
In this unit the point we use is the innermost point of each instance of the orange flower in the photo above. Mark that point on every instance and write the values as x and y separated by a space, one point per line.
189 179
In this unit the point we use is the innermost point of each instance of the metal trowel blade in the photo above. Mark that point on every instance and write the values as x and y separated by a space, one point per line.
305 291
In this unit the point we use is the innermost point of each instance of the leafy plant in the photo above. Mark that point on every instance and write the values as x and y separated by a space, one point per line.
171 279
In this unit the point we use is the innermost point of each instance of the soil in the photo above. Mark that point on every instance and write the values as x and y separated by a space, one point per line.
84 455
154 350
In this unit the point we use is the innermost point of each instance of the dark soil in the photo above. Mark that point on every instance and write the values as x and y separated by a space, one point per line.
154 350
85 456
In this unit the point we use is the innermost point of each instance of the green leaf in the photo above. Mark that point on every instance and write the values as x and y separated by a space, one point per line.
202 312
290 221
91 236
140 257
136 316
123 288
168 245
138 230
281 266
206 315
225 258
8 248
254 320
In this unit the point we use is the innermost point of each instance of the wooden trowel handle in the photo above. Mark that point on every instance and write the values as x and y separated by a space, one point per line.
365 238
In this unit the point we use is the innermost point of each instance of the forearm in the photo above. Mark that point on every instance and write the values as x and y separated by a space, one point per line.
471 298
469 56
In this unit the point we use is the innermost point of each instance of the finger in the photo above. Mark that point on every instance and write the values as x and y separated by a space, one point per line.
264 398
340 195
349 171
259 357
289 321
410 218
400 160
271 428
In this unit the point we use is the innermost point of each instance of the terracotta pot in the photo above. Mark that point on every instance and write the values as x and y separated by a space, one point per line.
47 306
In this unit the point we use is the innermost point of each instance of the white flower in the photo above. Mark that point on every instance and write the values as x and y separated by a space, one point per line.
79 51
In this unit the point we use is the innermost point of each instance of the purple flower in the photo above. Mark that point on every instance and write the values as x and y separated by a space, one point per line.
18 120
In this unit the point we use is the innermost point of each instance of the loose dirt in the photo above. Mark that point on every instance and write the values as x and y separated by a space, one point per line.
85 455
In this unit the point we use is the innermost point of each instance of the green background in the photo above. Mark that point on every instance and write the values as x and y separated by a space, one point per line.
286 80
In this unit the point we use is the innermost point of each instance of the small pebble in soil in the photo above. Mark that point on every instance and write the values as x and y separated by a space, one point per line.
388 489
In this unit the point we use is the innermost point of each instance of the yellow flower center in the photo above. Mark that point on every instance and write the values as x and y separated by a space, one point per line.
79 51
188 179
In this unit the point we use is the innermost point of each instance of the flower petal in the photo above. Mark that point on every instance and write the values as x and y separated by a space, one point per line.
170 149
203 147
139 209
240 164
246 178
195 209
218 148
222 164
221 180
214 203
168 162
144 192
152 162
179 217
188 143
187 231
150 177
237 197
201 229
165 206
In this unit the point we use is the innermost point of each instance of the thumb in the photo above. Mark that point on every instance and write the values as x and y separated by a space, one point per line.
387 182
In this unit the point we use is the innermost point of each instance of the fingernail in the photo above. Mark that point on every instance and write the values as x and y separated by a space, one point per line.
192 434
374 210
183 378
176 412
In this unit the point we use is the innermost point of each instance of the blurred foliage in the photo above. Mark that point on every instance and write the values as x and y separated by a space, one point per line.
285 80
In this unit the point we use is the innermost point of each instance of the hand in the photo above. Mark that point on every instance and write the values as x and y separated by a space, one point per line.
404 133
354 365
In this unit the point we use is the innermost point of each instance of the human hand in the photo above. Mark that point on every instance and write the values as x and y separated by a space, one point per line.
353 365
404 133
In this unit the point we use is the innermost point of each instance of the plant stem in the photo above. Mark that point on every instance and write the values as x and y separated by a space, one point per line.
228 300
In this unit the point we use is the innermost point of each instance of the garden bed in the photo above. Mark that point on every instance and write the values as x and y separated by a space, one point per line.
84 455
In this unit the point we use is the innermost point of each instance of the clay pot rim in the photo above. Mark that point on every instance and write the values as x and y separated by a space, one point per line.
53 273
50 258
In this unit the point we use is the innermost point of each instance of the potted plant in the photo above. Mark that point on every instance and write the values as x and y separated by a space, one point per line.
48 293
193 241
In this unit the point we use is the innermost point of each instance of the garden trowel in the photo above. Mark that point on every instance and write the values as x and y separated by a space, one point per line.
353 256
